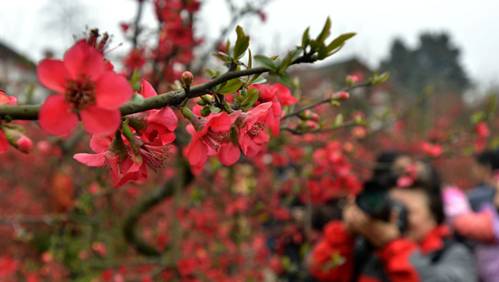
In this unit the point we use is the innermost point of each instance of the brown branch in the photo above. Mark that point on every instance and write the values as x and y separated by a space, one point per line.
30 112
137 29
325 100
296 131
130 231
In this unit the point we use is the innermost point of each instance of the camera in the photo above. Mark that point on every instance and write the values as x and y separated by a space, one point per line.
376 202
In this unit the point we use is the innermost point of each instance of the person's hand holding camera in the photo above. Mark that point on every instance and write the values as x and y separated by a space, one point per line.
378 232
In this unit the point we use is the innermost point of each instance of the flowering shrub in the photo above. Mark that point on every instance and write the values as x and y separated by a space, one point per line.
215 178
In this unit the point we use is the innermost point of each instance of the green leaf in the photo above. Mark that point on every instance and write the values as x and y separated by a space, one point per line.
212 73
477 117
285 79
379 78
289 59
305 38
214 109
335 103
326 31
135 80
338 42
258 79
138 98
230 86
250 59
266 62
251 97
206 111
321 51
242 43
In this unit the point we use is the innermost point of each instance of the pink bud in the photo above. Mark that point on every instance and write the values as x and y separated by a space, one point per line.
342 95
353 78
24 144
99 248
187 78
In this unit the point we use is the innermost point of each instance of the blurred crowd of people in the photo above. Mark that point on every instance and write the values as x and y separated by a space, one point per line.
407 225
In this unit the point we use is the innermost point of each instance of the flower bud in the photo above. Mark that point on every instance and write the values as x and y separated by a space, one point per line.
187 78
24 144
16 138
342 95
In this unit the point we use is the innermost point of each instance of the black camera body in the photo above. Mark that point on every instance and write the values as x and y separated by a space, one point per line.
377 203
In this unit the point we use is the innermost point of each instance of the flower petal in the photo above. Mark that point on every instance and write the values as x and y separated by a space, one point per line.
100 143
112 90
196 152
165 117
52 74
92 160
4 144
229 154
56 116
83 59
146 89
100 121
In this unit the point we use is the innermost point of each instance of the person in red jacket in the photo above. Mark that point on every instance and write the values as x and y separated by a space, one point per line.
422 251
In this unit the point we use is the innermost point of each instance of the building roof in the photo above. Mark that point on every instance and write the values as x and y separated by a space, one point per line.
8 52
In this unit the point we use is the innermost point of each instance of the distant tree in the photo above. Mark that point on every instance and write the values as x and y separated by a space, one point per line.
434 62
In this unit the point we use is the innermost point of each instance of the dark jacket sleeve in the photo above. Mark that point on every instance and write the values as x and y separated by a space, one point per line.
403 261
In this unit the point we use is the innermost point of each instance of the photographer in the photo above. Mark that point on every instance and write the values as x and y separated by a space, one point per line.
408 244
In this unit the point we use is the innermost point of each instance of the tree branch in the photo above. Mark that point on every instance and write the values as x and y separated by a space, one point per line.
30 112
325 100
137 29
150 201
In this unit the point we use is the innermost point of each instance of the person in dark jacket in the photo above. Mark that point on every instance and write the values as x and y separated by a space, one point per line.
423 251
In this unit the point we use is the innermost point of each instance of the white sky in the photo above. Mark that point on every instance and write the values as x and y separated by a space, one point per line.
474 25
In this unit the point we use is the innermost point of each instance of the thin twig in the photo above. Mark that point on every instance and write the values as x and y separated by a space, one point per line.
325 100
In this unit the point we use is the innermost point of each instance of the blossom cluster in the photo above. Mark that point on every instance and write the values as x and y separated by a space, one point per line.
89 90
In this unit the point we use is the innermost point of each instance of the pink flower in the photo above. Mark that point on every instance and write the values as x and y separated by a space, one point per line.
280 96
252 134
86 89
8 266
4 143
432 150
5 100
213 139
160 124
124 167
482 129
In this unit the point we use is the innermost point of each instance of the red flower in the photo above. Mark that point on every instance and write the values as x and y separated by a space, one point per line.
4 143
5 100
280 96
8 266
213 139
432 150
135 59
482 129
160 124
123 167
252 135
85 89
